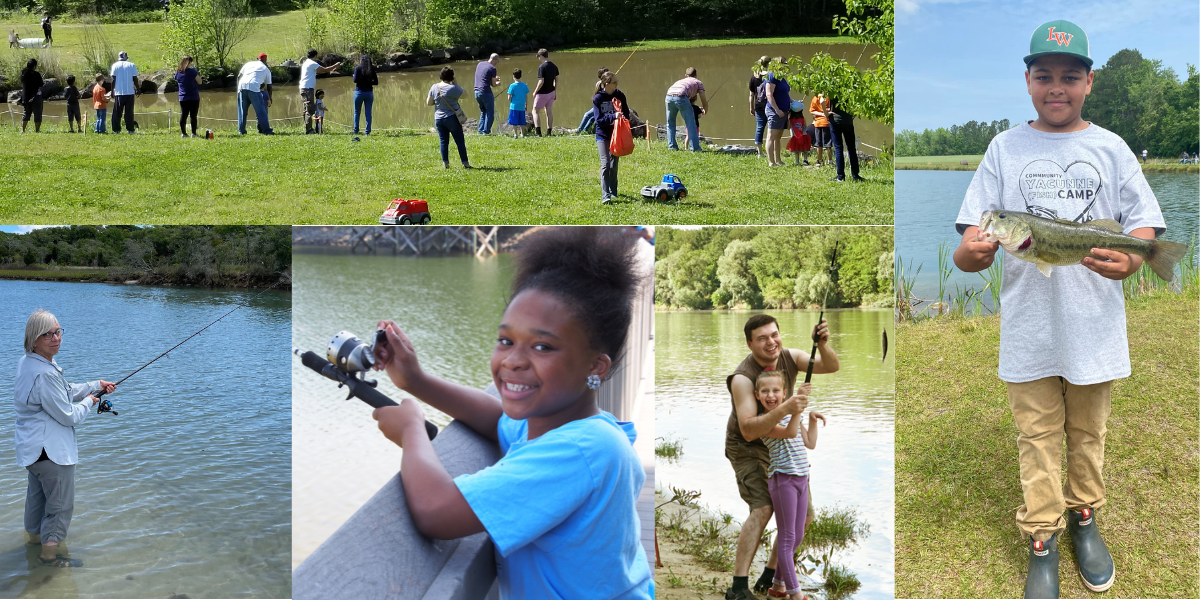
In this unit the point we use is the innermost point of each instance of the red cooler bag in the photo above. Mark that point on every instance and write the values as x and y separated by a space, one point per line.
621 143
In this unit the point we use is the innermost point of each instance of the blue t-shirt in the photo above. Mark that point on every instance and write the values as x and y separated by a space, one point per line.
188 90
485 74
518 90
782 99
562 511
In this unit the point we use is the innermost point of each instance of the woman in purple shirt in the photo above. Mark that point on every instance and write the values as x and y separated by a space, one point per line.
188 79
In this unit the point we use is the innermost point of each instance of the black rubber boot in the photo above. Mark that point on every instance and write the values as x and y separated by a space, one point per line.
1042 580
1095 563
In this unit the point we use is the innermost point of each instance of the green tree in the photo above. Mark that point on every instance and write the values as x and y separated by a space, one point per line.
366 26
187 31
738 285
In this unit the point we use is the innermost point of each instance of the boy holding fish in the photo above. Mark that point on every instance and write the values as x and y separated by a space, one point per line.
1060 191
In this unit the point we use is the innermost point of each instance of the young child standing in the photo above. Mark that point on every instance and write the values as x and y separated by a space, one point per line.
560 505
787 478
517 93
800 141
319 112
1062 338
99 102
72 95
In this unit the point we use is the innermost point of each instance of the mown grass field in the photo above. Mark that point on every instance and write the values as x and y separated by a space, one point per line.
156 177
953 163
54 274
957 478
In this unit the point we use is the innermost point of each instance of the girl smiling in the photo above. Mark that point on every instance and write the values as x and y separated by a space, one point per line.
560 505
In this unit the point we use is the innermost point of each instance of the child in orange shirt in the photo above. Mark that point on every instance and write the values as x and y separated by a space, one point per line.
819 108
99 103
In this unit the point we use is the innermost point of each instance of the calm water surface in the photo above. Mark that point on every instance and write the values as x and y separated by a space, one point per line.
400 97
448 306
188 490
853 463
927 204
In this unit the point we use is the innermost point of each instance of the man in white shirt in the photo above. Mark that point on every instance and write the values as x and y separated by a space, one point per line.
309 70
252 79
125 91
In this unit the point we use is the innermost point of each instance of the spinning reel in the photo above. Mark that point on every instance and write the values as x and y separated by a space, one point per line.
349 359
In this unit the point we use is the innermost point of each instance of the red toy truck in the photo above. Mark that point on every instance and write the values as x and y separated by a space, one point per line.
405 212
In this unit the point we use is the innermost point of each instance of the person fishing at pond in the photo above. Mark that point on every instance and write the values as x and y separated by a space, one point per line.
448 116
71 95
561 503
318 114
518 92
486 79
1063 338
187 78
749 423
48 409
47 27
819 109
14 40
365 80
309 69
254 89
679 103
606 118
31 96
545 92
841 129
787 477
775 91
758 103
126 90
799 143
99 102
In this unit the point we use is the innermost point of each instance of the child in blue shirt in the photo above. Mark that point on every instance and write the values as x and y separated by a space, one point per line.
517 92
560 505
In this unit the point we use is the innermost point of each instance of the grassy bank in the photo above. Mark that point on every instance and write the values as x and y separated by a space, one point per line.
711 43
156 177
954 163
234 277
957 480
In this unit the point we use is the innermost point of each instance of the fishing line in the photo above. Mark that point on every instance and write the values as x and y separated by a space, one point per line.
635 49
832 280
106 406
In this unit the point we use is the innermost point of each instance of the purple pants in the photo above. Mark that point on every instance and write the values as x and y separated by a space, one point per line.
789 496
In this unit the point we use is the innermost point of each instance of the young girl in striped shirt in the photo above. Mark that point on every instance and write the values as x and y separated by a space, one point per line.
787 478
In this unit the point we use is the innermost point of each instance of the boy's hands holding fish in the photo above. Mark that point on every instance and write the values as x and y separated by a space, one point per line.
974 253
1117 265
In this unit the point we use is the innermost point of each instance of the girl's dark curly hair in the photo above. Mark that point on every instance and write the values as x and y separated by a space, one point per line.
593 270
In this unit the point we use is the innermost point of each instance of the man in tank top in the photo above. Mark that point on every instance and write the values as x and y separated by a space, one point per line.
748 422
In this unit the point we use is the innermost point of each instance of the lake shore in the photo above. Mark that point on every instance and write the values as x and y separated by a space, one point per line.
956 461
98 275
954 163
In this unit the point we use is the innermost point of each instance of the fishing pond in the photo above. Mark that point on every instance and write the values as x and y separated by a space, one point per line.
188 489
449 306
852 465
400 97
927 204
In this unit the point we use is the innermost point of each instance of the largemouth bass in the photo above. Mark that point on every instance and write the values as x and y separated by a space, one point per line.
1048 243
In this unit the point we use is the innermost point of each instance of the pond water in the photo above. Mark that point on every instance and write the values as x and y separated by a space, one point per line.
188 490
339 457
927 203
400 97
853 463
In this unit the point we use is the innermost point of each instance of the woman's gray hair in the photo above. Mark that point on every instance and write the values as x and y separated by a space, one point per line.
40 322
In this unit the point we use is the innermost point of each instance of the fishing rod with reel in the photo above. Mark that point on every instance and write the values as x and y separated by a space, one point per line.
103 406
347 360
833 269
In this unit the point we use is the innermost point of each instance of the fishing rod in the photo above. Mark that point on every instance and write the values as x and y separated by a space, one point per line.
103 406
635 49
833 269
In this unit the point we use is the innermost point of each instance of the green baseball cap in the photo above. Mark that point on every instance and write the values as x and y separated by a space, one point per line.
1059 37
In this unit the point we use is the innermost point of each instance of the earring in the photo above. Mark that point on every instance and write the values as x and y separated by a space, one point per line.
593 382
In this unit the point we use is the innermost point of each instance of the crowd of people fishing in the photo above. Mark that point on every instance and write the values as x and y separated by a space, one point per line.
830 134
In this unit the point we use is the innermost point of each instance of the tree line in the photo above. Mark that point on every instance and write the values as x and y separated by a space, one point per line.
772 267
1137 98
207 255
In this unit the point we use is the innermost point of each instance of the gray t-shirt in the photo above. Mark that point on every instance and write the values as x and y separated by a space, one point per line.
1071 324
443 94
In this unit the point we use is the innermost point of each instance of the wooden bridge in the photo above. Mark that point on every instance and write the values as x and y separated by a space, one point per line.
418 240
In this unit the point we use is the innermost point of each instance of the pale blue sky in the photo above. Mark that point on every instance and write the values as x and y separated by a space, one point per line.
22 228
960 60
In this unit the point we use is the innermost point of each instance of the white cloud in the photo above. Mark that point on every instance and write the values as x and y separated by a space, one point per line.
28 228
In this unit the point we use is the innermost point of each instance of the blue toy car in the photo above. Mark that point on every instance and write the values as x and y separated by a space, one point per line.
671 188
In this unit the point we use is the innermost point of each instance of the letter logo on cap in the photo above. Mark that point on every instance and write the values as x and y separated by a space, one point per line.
1063 39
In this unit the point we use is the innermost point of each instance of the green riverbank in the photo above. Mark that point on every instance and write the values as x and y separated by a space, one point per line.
957 482
230 278
955 163
291 178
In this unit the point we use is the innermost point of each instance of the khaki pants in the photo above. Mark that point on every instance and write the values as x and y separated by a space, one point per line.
1044 410
309 102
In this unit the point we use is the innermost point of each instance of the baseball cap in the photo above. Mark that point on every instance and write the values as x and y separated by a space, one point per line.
263 56
1059 37
122 56
797 106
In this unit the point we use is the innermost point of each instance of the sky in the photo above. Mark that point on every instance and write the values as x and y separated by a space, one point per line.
22 228
961 60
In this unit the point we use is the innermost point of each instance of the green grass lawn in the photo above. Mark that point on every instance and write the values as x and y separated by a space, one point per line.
156 177
54 274
280 35
953 163
957 478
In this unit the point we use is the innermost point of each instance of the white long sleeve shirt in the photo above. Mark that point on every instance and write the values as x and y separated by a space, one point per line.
48 408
